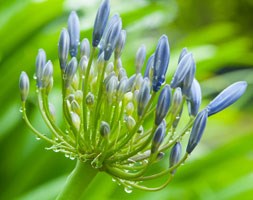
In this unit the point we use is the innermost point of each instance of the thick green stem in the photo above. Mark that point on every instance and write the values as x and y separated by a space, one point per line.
77 181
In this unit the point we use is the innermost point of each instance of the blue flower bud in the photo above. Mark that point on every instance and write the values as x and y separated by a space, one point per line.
120 44
182 54
111 38
227 97
175 155
104 129
176 101
130 83
85 48
70 71
63 48
121 90
111 87
197 130
158 137
161 61
140 58
47 74
83 64
122 73
74 33
40 63
100 22
188 79
24 86
194 98
185 65
149 65
163 104
143 96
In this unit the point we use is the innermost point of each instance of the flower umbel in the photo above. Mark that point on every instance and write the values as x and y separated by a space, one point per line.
105 111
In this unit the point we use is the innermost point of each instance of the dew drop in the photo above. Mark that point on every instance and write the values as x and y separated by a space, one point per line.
128 190
72 157
21 109
34 77
170 141
67 155
113 180
38 138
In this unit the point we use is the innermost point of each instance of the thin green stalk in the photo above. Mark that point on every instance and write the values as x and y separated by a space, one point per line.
77 181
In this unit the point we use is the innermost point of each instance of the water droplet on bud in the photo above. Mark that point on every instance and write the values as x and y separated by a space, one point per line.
128 190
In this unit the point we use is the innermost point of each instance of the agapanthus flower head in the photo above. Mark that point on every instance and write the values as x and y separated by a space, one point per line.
121 124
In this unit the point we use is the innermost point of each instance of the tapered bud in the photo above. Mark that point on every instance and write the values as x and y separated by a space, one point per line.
227 97
47 74
104 129
24 86
158 137
74 33
176 101
143 96
75 120
130 122
161 61
90 99
185 66
100 22
182 54
70 71
85 48
140 58
121 90
130 83
63 48
75 107
175 155
163 104
197 130
83 64
149 66
120 44
40 64
129 108
194 98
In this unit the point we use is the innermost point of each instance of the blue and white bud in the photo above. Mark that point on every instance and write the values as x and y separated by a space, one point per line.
90 99
121 90
176 101
158 137
74 33
75 120
120 44
104 129
111 88
75 107
161 62
85 48
63 48
122 73
163 104
111 37
47 74
140 58
130 123
197 130
227 97
143 97
194 98
175 155
182 54
149 66
83 64
24 86
40 64
185 65
138 81
129 108
188 79
130 83
100 22
70 72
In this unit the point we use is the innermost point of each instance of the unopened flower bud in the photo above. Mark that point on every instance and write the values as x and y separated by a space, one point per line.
83 64
120 44
85 48
129 108
197 130
175 155
70 72
24 86
75 107
130 122
40 64
140 58
90 99
227 97
63 48
79 96
163 104
52 111
161 62
149 66
143 97
100 22
104 129
182 54
74 33
75 120
158 137
47 74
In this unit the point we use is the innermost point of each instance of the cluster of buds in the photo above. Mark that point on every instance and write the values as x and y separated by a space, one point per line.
122 125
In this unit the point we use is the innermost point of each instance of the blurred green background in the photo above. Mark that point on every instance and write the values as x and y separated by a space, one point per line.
219 33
